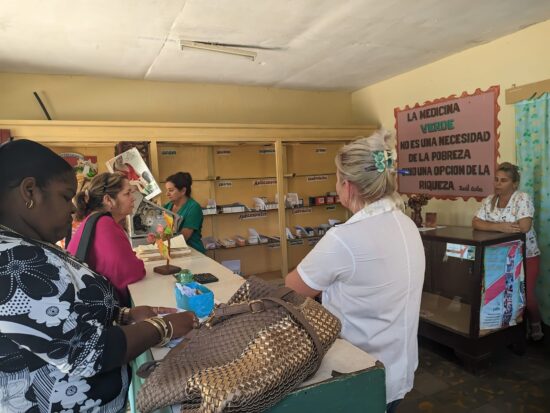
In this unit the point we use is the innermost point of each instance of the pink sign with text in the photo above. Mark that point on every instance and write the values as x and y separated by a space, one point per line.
449 147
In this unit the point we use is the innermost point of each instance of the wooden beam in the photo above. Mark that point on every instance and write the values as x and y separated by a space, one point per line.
154 157
518 93
89 131
280 168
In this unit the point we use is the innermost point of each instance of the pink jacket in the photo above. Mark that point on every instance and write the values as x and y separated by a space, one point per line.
111 254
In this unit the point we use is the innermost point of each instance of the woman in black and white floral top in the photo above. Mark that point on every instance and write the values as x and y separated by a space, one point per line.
60 348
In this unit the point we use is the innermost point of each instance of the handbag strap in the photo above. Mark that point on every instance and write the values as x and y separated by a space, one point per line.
252 306
88 235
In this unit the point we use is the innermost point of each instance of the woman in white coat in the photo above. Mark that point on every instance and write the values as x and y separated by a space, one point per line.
370 269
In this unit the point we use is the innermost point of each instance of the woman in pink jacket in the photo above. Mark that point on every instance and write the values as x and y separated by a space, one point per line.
110 253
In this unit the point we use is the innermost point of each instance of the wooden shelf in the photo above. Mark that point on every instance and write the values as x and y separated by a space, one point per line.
224 178
447 313
272 277
195 180
315 206
271 244
312 238
236 247
293 175
222 152
241 178
272 210
240 212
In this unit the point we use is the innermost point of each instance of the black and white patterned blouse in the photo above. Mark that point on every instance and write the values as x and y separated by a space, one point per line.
59 350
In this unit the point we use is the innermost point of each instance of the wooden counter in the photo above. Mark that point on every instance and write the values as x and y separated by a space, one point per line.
451 298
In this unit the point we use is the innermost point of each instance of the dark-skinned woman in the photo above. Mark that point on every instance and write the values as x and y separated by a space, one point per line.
65 342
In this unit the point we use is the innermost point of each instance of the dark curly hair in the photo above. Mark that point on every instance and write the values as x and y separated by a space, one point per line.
182 180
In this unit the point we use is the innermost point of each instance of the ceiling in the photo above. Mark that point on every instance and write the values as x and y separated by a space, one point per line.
315 44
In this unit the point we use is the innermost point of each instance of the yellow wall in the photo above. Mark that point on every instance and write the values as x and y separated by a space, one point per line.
517 59
107 99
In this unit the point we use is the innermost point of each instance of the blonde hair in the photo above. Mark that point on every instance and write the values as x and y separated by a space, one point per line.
91 198
356 163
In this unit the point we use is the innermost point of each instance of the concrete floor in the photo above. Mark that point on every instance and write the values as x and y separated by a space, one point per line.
507 384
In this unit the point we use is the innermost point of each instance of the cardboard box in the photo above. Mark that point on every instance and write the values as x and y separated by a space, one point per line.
317 200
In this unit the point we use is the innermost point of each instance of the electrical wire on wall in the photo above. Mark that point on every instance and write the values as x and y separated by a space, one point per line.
42 105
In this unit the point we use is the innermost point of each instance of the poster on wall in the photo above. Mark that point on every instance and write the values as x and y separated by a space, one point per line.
503 293
449 146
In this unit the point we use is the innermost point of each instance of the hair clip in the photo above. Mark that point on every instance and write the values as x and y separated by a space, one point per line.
379 160
382 160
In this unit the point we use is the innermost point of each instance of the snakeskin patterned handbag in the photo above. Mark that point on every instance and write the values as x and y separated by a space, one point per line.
246 357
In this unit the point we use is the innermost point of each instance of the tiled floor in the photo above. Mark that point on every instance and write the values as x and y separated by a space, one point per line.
508 384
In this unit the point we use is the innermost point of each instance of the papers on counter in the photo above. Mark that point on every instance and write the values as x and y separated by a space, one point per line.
424 229
177 242
150 252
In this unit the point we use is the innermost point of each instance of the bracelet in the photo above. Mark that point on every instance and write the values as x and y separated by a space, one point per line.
126 315
164 328
157 327
171 328
123 316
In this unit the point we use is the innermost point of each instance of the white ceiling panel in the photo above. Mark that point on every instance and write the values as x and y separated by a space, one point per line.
98 37
311 44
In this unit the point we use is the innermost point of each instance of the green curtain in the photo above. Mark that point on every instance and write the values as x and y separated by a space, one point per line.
533 155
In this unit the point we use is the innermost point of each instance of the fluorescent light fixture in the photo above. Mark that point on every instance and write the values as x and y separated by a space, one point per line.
219 49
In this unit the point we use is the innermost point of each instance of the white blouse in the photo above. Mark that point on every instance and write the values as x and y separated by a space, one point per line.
371 271
519 206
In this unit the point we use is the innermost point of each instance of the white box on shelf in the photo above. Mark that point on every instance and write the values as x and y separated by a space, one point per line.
209 211
232 208
228 243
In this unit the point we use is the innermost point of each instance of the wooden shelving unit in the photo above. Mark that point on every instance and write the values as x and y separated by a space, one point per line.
257 160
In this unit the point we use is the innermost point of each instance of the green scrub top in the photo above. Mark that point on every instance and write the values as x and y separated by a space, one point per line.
191 213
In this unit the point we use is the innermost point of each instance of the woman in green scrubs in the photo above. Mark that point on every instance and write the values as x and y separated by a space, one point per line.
178 191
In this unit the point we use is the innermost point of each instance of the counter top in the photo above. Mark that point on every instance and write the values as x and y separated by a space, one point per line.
469 236
158 290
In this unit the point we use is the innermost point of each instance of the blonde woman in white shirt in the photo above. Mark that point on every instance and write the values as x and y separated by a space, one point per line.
510 210
370 269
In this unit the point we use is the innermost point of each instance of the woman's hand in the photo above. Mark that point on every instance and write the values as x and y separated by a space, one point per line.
142 312
182 323
509 227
